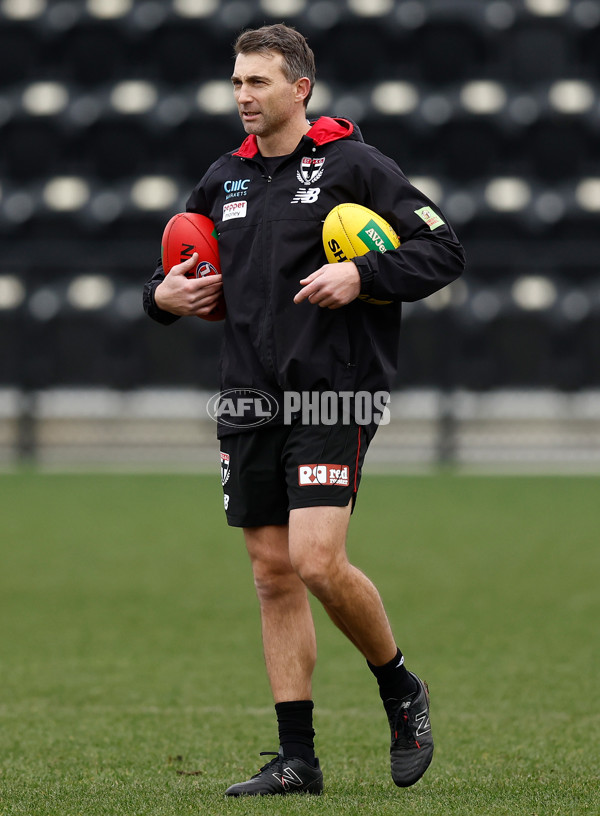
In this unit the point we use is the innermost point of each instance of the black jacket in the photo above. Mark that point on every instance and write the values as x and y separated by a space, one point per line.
270 236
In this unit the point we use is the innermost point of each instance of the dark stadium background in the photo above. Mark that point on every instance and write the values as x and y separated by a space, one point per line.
111 110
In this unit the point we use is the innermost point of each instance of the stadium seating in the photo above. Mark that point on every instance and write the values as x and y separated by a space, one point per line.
111 110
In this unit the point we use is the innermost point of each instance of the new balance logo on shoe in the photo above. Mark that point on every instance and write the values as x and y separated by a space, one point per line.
423 723
288 777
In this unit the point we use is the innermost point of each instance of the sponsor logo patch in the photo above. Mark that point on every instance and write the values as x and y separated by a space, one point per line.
310 171
306 195
324 475
431 218
374 238
236 188
236 209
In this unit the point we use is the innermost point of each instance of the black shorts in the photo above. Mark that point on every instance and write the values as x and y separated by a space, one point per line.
272 470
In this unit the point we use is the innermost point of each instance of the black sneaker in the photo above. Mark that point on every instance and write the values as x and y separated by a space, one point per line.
282 775
411 748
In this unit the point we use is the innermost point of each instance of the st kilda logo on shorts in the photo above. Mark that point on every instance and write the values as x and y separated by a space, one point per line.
324 475
310 171
225 472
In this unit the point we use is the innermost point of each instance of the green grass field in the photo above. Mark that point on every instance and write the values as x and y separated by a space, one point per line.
131 675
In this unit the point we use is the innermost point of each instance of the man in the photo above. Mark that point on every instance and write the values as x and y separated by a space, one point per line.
296 325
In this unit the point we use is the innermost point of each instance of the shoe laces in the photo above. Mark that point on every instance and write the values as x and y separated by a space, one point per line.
403 726
277 760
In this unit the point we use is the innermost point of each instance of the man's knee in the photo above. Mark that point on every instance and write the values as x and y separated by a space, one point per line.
273 573
318 570
318 548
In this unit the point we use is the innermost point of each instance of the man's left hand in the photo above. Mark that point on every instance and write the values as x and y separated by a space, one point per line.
331 286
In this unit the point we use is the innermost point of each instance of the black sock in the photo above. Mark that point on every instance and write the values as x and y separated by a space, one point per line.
393 678
296 734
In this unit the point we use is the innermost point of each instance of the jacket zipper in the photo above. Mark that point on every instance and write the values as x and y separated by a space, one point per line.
268 283
266 270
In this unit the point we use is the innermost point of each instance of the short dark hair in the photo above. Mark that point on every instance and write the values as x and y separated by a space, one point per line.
298 59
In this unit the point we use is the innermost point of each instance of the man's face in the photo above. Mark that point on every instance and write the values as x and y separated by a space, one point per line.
265 98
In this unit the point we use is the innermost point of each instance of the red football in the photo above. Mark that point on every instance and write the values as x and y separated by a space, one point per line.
185 234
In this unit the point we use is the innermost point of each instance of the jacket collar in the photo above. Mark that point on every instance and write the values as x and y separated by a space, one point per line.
326 129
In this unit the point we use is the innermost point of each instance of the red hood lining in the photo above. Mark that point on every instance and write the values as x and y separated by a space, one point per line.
326 129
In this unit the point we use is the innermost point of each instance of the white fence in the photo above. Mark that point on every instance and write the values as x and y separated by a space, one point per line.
539 431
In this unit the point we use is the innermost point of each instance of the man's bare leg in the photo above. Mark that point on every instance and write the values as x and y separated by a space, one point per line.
310 553
288 630
317 542
317 549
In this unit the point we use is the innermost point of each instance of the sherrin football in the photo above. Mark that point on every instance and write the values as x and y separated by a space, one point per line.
351 230
185 234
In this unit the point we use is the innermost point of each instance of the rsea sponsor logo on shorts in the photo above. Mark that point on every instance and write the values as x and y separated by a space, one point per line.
323 475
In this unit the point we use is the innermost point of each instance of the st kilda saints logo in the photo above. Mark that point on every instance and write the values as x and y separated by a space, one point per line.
310 171
225 472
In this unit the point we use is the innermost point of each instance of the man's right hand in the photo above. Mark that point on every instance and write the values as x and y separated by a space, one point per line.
188 296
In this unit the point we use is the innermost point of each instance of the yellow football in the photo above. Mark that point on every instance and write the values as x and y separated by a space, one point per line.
351 230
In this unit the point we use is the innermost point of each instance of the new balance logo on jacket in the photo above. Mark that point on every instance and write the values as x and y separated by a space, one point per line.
306 195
